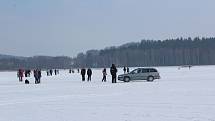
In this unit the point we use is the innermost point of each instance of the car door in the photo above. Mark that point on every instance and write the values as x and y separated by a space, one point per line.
135 74
138 74
144 74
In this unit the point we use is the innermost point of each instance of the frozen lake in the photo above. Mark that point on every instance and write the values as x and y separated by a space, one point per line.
180 95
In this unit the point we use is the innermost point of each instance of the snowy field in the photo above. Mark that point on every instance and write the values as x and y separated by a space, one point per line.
180 95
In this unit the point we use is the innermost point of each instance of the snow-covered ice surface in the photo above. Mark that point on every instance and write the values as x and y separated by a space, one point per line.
180 95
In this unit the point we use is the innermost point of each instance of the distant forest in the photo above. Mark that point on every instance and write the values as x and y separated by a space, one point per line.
36 62
171 52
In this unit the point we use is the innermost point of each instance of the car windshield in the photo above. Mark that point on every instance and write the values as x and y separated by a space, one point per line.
134 71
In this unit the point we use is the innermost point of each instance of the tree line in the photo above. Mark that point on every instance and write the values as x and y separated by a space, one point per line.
170 52
36 62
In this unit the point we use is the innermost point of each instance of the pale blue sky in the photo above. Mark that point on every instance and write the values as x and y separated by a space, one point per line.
67 27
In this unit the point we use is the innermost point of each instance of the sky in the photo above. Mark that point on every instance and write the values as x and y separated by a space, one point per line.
68 27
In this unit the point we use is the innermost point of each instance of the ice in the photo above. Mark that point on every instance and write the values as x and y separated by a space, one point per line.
180 95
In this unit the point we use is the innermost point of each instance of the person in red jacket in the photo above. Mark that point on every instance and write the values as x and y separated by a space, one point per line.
20 74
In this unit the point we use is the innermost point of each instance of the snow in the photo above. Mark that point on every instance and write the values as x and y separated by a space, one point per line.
180 95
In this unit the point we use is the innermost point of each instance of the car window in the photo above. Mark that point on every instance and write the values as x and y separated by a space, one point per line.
139 71
145 70
153 70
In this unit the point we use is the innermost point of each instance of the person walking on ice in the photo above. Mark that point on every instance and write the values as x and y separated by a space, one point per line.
104 75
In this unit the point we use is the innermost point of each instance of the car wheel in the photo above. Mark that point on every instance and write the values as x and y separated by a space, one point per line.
150 78
126 79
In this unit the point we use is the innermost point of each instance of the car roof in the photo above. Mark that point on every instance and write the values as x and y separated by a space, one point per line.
146 68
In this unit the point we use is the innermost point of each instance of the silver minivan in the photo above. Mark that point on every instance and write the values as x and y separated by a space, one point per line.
149 74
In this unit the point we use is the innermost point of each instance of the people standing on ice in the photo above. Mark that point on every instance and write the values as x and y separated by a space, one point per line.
78 70
113 71
124 69
20 74
47 72
89 74
26 73
127 70
51 71
83 72
104 73
37 76
29 73
55 71
71 71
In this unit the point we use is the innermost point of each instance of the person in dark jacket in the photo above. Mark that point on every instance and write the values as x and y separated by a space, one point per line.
113 71
29 73
55 72
51 71
36 76
39 75
127 70
89 74
47 72
124 69
104 75
83 72
26 73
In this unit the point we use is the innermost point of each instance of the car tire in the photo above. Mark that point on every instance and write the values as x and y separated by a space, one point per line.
126 79
150 79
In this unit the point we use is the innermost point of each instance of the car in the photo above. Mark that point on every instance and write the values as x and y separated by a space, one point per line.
149 74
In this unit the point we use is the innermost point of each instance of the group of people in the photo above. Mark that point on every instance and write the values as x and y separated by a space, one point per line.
21 73
83 71
37 75
89 74
113 72
52 72
126 69
27 73
71 71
